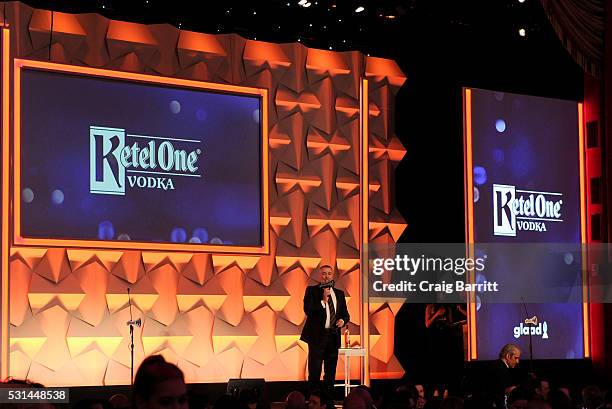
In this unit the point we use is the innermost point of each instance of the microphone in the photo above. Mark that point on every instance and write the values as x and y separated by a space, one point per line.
131 323
328 284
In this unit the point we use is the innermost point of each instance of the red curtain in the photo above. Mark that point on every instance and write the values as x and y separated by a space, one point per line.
581 28
580 24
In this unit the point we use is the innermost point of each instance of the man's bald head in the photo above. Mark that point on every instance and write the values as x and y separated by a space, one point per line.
296 400
326 273
510 354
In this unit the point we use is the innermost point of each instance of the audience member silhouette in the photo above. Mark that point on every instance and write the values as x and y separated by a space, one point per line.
295 400
159 385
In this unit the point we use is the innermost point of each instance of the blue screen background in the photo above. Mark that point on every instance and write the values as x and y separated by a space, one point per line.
57 110
531 143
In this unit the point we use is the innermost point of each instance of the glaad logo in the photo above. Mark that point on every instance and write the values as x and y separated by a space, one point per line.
538 329
515 209
149 166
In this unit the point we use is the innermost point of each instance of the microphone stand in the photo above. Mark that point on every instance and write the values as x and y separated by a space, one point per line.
131 325
530 342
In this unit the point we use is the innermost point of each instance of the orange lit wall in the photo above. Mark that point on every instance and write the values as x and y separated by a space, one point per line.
217 316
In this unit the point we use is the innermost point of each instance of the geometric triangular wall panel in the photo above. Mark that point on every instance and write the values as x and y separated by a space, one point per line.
217 316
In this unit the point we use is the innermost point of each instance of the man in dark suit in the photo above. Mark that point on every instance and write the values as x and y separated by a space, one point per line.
501 377
326 314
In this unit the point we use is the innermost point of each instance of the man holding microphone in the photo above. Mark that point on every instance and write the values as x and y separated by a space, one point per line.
326 314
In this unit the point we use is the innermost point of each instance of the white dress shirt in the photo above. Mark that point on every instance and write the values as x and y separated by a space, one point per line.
324 304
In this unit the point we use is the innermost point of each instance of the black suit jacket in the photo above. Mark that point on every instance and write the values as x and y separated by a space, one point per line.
314 327
500 377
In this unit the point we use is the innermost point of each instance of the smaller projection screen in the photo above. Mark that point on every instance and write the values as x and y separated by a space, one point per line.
523 178
111 159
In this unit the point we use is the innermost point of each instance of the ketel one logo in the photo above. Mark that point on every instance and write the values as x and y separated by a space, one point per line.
146 162
532 327
524 210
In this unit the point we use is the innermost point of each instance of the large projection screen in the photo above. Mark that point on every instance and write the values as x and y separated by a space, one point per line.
524 187
113 159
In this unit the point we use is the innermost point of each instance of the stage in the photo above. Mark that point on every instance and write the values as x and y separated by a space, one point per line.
174 192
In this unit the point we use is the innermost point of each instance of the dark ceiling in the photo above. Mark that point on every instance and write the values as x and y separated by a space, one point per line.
441 45
384 27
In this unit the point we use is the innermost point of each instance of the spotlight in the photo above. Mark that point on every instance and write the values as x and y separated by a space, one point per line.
302 2
521 1
361 8
522 32
308 4
178 235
